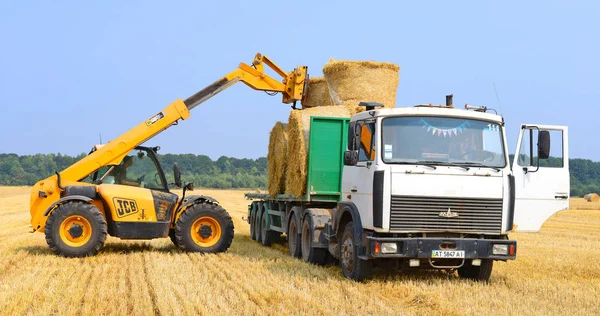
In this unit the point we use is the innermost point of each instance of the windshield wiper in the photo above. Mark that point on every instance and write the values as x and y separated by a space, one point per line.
430 163
477 164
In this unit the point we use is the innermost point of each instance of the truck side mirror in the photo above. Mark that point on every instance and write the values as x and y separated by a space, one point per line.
350 157
189 186
351 128
177 175
543 144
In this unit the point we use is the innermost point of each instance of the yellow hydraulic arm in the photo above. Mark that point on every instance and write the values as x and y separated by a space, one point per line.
293 87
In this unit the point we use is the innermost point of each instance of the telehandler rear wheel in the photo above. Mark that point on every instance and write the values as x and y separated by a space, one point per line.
204 227
76 229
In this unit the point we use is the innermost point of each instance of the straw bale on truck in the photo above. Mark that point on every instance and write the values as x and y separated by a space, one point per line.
277 159
351 82
318 93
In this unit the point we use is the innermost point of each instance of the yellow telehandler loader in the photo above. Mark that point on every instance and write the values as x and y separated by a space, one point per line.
120 188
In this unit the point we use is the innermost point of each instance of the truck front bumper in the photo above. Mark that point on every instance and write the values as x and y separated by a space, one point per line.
423 248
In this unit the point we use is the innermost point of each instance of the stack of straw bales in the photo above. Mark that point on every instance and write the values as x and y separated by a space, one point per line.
346 83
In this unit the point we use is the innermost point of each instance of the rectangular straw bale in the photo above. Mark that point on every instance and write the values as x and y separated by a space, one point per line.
298 131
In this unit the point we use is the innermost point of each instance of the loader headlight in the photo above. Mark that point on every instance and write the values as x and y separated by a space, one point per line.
500 249
389 247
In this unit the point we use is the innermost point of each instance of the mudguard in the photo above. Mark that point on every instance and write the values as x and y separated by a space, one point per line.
349 207
190 200
66 199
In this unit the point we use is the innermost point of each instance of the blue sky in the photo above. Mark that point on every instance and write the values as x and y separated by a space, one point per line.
72 70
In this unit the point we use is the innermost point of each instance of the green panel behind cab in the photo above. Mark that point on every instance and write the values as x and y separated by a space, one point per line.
328 141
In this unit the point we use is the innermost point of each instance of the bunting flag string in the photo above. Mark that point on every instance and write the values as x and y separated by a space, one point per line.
445 131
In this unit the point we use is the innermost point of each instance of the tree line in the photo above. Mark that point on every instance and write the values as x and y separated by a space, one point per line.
224 173
229 172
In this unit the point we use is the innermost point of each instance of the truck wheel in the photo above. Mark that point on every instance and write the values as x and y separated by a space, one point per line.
251 220
292 236
309 253
204 227
76 229
477 273
267 236
352 266
257 217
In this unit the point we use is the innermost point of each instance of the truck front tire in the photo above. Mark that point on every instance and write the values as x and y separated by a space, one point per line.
477 273
352 266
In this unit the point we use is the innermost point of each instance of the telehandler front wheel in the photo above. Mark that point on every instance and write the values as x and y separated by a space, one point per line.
76 229
204 227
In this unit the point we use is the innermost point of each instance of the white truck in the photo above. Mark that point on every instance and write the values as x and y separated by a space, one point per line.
423 187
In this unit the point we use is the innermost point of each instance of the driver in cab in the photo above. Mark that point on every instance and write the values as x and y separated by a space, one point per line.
120 173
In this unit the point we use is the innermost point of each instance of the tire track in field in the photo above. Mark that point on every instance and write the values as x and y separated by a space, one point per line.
44 284
129 286
218 267
151 290
87 283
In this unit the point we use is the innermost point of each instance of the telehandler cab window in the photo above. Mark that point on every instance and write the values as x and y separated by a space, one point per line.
138 169
442 141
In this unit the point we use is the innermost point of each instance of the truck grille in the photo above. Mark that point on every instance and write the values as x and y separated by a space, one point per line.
422 214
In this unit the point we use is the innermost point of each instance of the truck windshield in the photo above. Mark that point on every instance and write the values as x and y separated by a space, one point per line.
443 141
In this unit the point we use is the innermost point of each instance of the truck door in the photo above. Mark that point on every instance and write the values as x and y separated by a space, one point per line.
359 179
541 175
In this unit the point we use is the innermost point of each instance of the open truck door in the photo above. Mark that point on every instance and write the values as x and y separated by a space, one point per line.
541 175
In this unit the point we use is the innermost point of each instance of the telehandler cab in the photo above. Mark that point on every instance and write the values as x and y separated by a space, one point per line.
119 189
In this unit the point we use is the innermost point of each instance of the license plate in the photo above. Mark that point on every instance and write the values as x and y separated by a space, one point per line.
447 254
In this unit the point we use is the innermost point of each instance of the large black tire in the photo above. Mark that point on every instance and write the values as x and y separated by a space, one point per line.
204 227
257 218
293 237
76 229
310 253
252 220
352 266
267 236
477 273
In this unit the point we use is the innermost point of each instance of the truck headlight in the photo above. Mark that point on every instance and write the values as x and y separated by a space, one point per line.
500 249
389 247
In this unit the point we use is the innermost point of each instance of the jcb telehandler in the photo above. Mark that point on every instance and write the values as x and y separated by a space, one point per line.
120 188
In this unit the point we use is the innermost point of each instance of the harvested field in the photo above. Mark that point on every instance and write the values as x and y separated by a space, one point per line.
557 271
